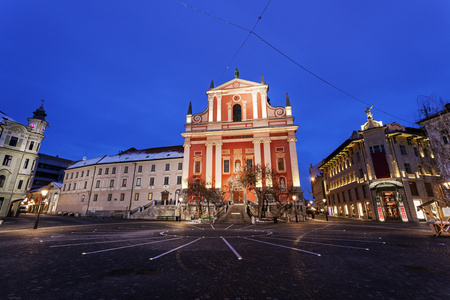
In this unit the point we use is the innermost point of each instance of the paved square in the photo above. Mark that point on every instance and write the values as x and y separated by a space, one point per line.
123 259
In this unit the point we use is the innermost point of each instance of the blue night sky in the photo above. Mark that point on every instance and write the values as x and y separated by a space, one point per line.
120 74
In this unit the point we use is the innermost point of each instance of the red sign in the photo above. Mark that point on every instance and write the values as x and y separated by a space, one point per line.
380 213
402 210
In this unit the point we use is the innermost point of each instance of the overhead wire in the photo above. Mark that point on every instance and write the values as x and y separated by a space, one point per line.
284 55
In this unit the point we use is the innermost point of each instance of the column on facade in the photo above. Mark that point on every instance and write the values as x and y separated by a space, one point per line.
267 159
390 157
219 107
257 148
218 179
294 162
370 172
244 110
263 103
255 104
210 108
209 150
187 151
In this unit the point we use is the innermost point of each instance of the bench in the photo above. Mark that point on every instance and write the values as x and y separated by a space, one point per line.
166 218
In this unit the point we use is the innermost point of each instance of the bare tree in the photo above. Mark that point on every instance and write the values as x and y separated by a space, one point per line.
198 192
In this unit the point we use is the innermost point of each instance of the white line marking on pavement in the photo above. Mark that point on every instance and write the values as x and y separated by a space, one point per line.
232 249
301 241
174 249
197 227
90 243
292 248
118 248
228 226
245 227
212 227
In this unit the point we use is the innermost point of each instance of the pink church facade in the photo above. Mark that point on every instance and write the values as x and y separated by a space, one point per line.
239 127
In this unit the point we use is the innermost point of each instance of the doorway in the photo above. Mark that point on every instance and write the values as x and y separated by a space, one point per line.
238 195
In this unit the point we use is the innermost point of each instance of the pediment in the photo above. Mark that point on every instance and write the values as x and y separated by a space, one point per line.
237 83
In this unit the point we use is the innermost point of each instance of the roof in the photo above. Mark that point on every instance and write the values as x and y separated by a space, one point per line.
133 154
439 113
4 117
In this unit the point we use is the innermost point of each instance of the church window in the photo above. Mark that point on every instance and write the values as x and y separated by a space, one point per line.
280 164
226 166
237 115
197 167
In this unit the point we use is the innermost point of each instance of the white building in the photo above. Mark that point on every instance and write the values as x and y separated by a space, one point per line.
19 147
124 183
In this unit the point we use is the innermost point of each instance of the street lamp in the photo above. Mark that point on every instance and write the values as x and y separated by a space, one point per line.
325 208
36 222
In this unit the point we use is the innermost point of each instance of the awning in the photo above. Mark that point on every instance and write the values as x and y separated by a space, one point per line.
385 183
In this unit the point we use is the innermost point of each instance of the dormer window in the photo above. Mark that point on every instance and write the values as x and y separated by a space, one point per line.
237 115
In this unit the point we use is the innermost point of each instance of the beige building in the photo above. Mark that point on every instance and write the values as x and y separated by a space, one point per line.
382 172
19 148
122 184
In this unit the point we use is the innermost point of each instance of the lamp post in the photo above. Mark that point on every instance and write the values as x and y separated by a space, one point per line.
294 197
325 208
36 222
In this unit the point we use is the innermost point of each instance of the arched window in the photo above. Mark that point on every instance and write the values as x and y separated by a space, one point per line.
237 116
2 180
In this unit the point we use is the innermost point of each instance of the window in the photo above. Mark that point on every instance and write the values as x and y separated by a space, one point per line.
27 161
125 170
197 167
7 160
358 157
403 149
124 182
100 171
19 186
82 173
97 184
106 171
430 170
166 180
152 181
237 117
2 180
71 176
364 191
179 178
416 151
109 197
349 195
140 169
167 167
429 189
76 176
361 173
13 141
420 167
138 181
95 197
226 166
85 184
74 185
343 196
113 171
150 196
69 187
280 164
136 196
82 198
153 168
111 183
408 168
180 166
64 188
356 192
413 188
87 173
249 163
67 175
122 197
445 136
339 198
31 146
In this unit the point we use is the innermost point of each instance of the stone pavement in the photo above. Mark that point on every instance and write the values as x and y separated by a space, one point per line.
123 259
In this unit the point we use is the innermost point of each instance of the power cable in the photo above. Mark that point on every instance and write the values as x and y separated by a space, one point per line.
286 56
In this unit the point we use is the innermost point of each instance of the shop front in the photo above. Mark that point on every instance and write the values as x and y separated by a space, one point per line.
388 200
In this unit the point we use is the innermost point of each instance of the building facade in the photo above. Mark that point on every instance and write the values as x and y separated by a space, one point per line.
19 148
49 169
382 172
437 126
120 184
239 127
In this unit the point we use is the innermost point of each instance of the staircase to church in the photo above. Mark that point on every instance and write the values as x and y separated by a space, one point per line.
236 214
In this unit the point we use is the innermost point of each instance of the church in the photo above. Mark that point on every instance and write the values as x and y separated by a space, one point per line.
239 127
